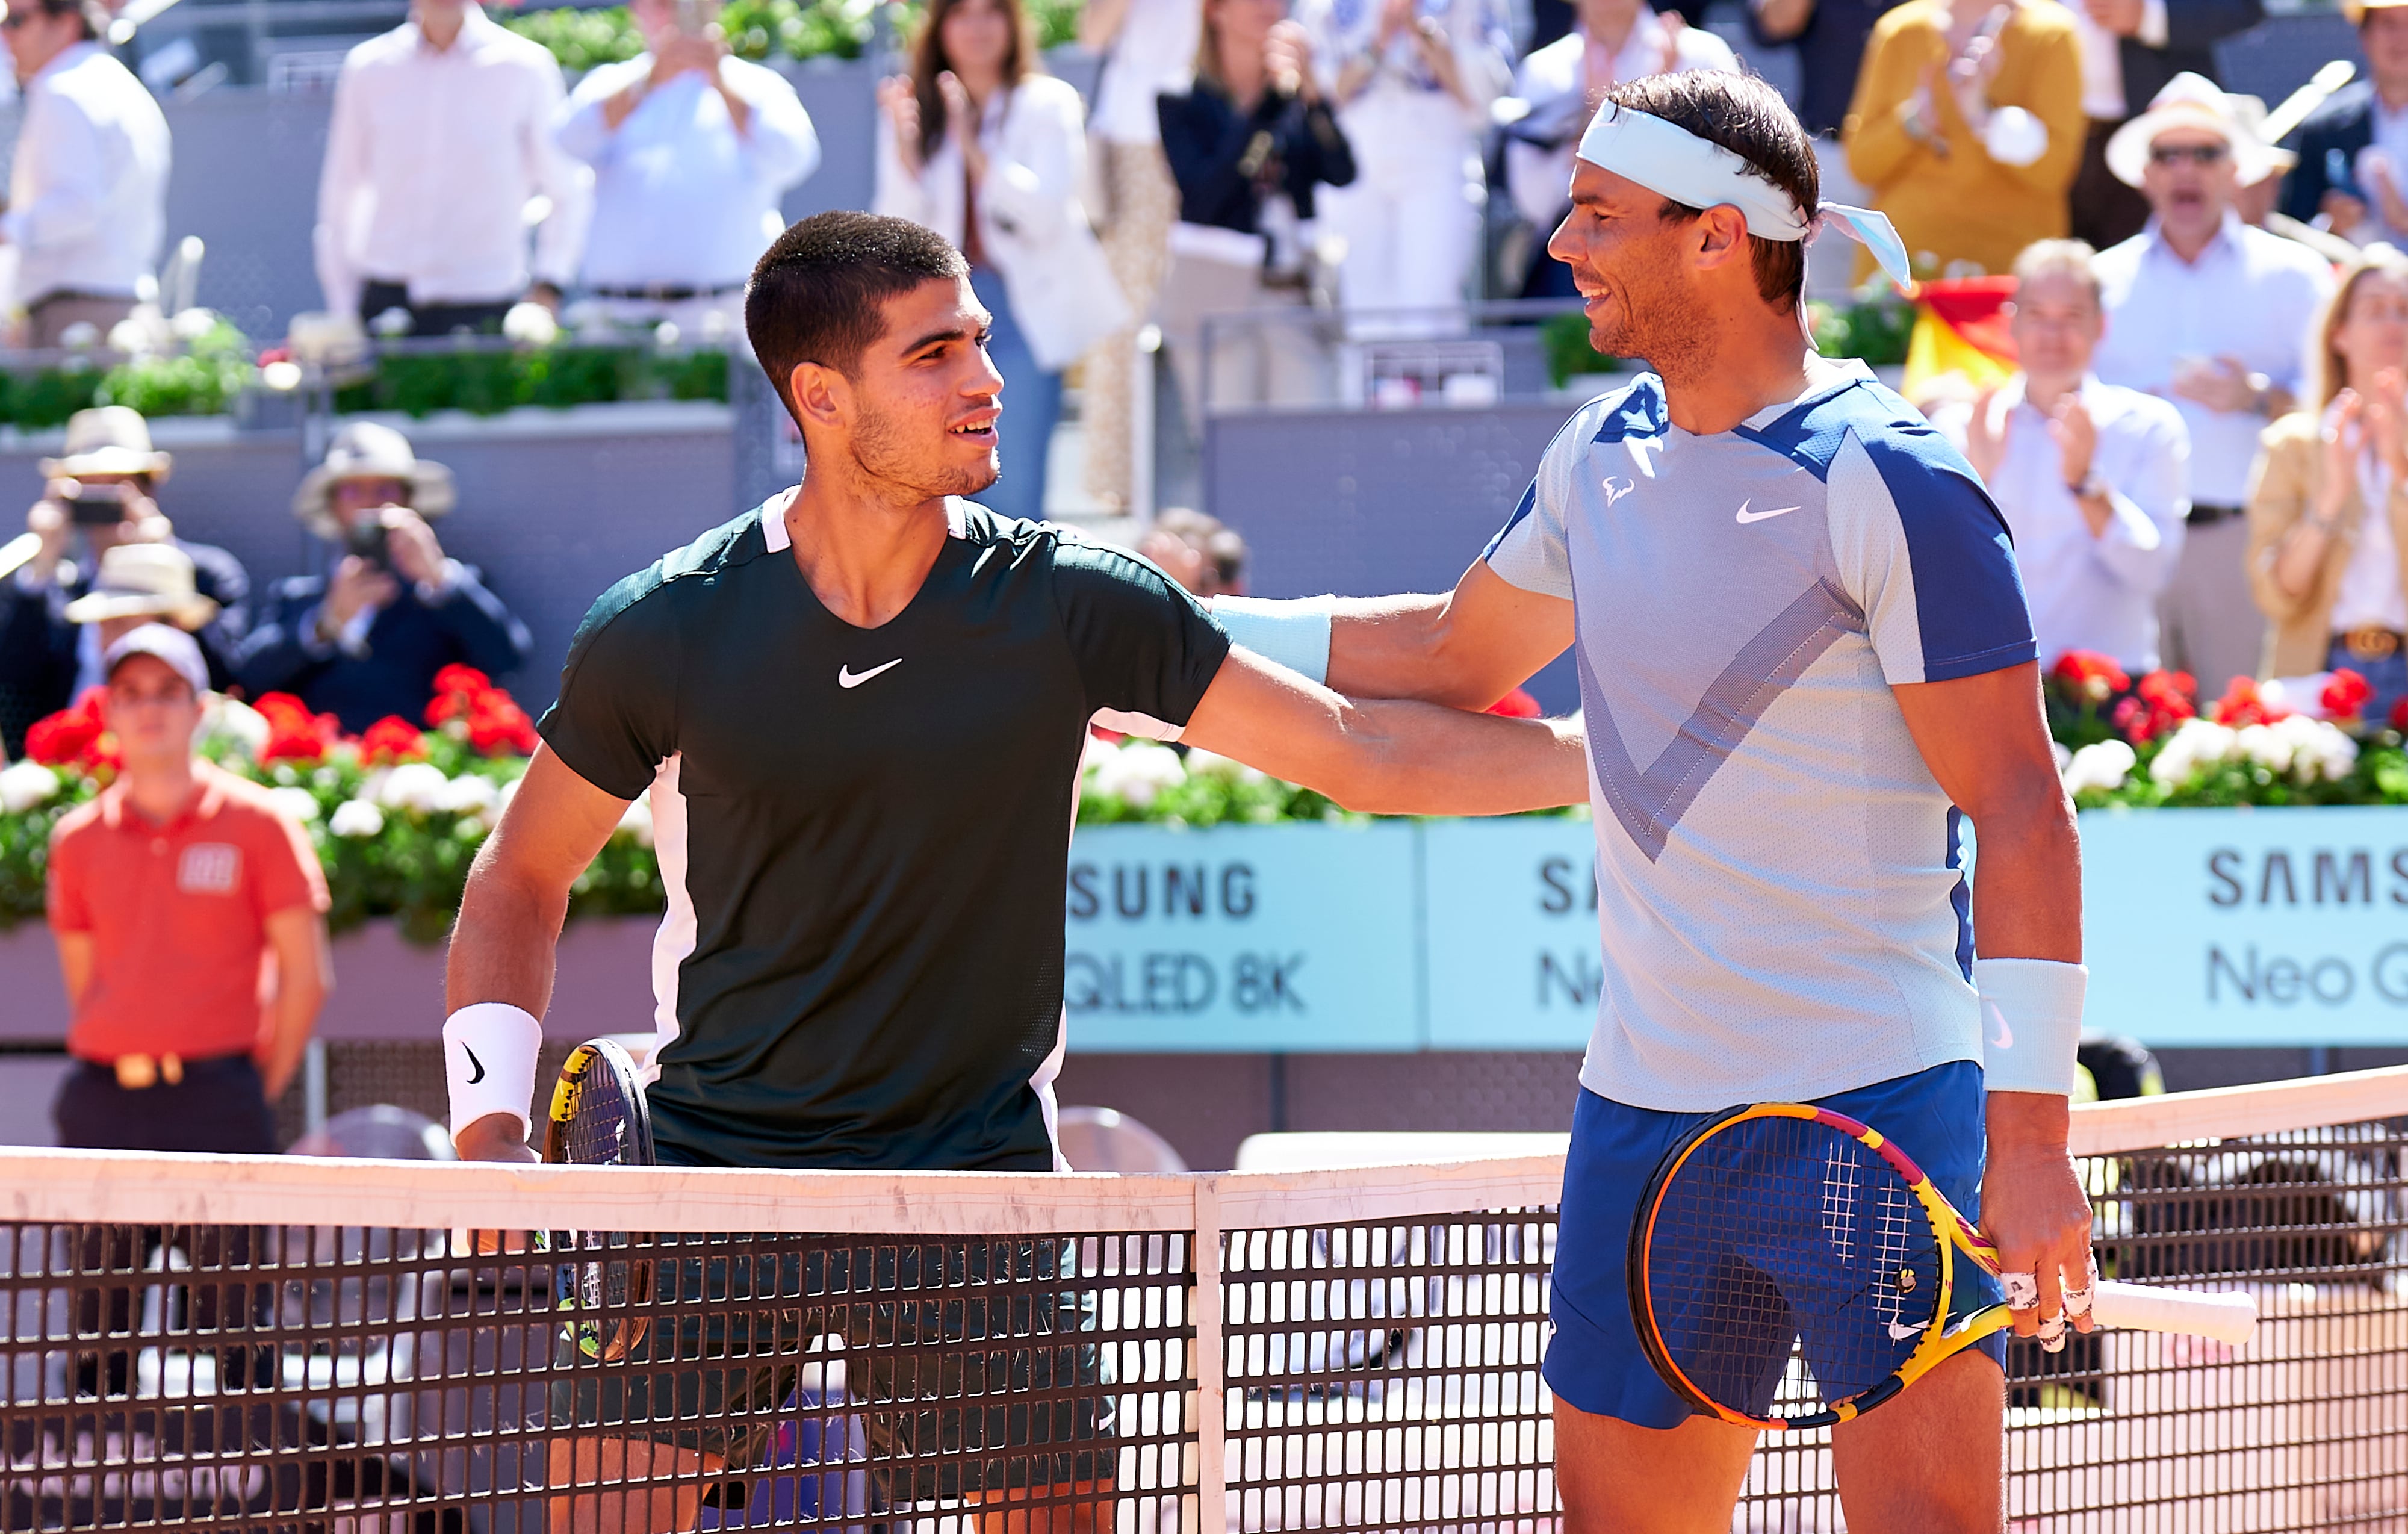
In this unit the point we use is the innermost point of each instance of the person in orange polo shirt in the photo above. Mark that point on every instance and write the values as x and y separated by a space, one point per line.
190 915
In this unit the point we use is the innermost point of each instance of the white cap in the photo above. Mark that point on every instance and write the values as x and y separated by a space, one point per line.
179 650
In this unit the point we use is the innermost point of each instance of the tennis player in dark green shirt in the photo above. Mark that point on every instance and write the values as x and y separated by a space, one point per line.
859 710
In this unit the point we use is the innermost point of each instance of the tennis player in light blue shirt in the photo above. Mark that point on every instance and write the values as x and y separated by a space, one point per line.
1805 663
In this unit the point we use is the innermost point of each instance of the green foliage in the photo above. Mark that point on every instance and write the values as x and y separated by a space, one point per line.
202 377
489 380
582 39
1873 330
1564 339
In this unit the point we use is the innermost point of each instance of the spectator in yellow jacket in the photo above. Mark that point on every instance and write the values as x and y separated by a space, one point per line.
1967 128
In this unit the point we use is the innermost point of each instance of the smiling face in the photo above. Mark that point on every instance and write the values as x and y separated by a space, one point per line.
2057 325
976 37
1632 266
918 412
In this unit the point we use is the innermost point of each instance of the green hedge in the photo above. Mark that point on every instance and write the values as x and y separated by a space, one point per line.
764 29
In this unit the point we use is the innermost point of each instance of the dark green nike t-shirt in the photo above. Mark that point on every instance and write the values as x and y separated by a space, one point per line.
864 832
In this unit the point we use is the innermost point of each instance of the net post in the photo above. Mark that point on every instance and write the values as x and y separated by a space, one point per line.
1211 1362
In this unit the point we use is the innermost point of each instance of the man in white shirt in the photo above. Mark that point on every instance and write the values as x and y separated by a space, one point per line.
2093 478
2206 311
441 138
1610 42
87 204
691 151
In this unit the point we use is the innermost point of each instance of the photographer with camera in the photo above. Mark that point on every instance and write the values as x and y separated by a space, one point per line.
97 497
367 641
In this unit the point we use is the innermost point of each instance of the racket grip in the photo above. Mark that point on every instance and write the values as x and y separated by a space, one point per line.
2226 1316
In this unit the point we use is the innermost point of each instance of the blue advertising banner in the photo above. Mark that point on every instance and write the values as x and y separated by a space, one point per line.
1244 938
2201 927
2247 926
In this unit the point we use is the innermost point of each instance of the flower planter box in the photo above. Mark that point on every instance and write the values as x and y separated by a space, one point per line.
2203 927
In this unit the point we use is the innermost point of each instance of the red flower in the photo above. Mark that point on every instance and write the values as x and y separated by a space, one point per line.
2160 701
2400 716
2090 675
2243 703
2345 695
293 733
1517 704
73 737
499 727
391 739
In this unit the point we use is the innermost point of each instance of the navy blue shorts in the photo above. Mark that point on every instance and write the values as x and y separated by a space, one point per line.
1938 1116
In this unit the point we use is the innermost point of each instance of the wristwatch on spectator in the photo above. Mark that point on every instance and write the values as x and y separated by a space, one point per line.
2261 394
2090 485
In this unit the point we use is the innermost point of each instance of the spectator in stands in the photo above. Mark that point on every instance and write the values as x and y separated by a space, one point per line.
691 151
1614 40
2329 509
1250 143
2092 477
1830 36
1414 81
87 205
1967 129
2353 171
2210 313
170 897
2131 49
98 497
980 144
441 136
1149 47
367 641
1200 553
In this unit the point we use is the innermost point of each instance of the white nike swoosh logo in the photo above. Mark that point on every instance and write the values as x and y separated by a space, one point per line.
1746 516
845 678
2006 1036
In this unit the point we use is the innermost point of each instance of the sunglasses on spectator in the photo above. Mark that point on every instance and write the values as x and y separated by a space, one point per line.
2197 154
15 19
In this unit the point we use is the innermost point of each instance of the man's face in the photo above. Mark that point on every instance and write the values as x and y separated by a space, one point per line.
36 38
354 501
151 710
2189 179
921 405
1631 264
2385 36
2057 325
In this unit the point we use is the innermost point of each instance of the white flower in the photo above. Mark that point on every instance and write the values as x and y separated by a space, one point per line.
664 335
1138 772
25 784
239 723
282 376
2104 767
530 324
1228 770
637 821
469 795
2264 745
418 787
2064 757
298 803
2195 744
355 818
192 323
2315 748
133 338
83 335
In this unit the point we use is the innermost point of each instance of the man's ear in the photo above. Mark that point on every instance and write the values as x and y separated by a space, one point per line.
1719 236
821 397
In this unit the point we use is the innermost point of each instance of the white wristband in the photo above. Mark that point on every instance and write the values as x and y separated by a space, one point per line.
1295 632
489 1054
2031 1023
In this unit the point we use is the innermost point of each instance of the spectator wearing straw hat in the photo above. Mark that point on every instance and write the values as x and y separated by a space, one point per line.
2353 171
170 896
141 584
87 206
2210 313
46 657
367 641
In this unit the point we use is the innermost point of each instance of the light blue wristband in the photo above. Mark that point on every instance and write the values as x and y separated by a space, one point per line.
2031 1023
1294 632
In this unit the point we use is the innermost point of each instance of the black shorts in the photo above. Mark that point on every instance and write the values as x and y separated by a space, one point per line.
958 1354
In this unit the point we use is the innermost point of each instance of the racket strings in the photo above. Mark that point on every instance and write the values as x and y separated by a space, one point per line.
1788 1268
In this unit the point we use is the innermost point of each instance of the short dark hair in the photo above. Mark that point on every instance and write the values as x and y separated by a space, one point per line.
92 13
816 292
1747 117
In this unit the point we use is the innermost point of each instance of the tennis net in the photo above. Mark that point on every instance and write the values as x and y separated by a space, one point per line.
265 1344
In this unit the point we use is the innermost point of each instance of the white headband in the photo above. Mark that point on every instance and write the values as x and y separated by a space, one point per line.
1666 158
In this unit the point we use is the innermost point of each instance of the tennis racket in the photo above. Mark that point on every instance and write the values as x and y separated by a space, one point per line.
1783 1224
598 1119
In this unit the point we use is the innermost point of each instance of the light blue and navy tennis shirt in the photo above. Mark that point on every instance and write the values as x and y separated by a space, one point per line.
1781 892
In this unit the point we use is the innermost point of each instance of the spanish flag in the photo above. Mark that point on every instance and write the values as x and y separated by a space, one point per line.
1961 327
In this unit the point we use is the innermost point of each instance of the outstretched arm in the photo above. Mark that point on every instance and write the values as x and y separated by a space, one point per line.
1464 649
1398 758
1985 740
511 913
